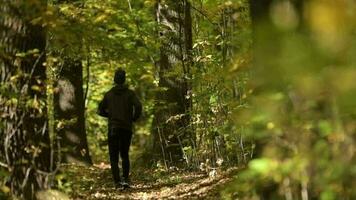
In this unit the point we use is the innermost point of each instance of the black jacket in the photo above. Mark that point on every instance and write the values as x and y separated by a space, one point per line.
121 106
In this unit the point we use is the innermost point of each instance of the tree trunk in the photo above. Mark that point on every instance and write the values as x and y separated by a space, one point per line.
69 111
23 109
171 119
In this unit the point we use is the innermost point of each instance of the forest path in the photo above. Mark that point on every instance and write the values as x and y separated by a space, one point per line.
95 182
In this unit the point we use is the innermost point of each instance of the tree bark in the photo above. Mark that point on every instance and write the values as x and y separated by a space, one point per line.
171 119
69 110
23 109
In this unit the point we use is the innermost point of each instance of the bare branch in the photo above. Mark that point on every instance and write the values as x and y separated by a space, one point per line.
204 15
26 177
3 165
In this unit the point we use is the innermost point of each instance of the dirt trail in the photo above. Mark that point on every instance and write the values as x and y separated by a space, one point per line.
95 183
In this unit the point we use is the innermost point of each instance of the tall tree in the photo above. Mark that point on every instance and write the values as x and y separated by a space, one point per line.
69 102
69 108
23 108
171 119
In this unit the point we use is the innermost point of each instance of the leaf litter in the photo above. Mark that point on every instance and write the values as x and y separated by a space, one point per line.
95 182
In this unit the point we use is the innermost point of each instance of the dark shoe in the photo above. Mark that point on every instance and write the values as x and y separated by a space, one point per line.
125 184
118 185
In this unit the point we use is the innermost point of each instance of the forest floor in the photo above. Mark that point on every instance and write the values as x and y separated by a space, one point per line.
95 182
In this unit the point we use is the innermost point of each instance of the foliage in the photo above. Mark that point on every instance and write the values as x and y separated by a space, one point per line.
105 36
221 52
4 190
277 97
302 112
113 34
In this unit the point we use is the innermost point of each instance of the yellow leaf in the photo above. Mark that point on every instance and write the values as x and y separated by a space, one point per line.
36 88
100 18
5 189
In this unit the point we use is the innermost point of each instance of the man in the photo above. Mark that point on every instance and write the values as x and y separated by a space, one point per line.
122 107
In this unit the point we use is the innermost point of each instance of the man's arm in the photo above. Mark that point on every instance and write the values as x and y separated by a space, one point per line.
103 108
137 108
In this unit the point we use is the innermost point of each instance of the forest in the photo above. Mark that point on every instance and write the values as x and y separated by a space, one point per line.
241 99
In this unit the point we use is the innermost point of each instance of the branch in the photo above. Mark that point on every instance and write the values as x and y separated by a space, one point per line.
24 182
128 1
204 15
88 80
3 165
140 34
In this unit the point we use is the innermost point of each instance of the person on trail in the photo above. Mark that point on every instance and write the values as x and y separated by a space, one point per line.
122 107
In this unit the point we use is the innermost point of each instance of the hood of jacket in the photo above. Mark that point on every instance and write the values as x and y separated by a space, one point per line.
119 89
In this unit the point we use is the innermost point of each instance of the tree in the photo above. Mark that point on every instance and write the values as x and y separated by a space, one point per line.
23 108
69 105
171 119
69 110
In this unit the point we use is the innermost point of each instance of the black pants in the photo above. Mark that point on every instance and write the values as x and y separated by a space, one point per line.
119 143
